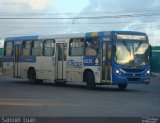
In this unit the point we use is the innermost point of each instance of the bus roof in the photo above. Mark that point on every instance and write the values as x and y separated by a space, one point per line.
74 35
58 36
21 38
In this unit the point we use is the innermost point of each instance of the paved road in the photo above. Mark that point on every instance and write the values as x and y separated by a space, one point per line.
20 98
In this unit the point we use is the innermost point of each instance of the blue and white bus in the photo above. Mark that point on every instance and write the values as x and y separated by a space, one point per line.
96 58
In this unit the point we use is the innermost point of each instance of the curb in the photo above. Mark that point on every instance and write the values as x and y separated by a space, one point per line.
155 74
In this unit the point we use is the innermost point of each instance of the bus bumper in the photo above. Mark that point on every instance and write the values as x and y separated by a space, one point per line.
124 80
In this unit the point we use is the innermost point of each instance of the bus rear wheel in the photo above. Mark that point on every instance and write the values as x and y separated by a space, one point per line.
90 81
32 77
122 86
60 83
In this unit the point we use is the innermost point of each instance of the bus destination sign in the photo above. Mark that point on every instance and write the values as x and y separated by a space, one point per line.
131 37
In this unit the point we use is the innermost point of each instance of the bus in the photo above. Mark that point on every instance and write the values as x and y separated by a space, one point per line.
96 58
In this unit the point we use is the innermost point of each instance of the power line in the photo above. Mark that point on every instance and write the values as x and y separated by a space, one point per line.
76 23
71 26
64 25
81 17
91 12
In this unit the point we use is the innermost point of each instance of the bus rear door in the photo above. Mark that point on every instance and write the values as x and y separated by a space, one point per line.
61 52
106 62
17 61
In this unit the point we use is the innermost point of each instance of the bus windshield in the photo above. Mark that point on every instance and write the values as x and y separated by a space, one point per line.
132 53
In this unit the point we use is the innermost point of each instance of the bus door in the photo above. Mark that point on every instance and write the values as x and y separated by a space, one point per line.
106 62
17 62
61 53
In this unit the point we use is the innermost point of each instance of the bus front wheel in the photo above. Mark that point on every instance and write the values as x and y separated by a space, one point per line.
32 77
90 81
122 86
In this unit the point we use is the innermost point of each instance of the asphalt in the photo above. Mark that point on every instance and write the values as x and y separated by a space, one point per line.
20 98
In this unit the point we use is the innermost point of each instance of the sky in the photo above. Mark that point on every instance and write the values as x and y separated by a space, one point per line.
46 17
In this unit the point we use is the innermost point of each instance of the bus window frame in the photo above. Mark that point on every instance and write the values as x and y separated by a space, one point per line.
69 51
30 48
5 45
98 40
43 52
33 48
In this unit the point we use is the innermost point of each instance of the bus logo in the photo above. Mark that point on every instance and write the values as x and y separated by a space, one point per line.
133 74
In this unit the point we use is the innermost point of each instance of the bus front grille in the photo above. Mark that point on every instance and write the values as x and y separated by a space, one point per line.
133 70
133 79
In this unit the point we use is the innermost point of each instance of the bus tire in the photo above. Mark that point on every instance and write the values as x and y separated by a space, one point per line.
32 77
59 83
122 86
90 81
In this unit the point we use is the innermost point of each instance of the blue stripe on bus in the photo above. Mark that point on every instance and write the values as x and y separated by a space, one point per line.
21 38
8 59
29 59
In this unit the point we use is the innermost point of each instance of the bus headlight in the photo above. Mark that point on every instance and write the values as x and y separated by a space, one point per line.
148 72
119 71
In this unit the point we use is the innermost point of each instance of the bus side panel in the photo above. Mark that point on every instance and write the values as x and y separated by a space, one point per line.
44 68
38 67
8 68
27 62
24 70
75 69
32 62
48 68
8 59
97 72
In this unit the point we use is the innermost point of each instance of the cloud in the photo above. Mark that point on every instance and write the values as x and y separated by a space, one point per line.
155 3
36 4
69 6
81 8
24 4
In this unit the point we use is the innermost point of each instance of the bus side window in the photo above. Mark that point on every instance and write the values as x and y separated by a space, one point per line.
26 48
91 46
8 49
76 46
37 48
49 47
